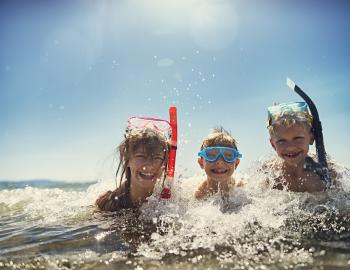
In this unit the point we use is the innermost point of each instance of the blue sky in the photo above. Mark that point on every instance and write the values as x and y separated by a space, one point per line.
72 73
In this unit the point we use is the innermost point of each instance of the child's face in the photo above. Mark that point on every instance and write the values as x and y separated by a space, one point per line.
292 143
145 167
219 170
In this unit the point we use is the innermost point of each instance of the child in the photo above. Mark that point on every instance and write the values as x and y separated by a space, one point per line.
219 159
290 129
143 159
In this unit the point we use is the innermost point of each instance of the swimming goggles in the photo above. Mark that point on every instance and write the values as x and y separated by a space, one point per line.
299 108
137 123
212 154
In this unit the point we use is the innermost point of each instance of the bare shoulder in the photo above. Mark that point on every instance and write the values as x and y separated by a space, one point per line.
239 182
103 199
271 173
272 163
107 201
202 191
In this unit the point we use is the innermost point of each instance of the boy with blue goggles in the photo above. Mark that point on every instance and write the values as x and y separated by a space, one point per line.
219 159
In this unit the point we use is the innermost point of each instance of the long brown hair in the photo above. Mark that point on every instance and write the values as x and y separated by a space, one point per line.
147 138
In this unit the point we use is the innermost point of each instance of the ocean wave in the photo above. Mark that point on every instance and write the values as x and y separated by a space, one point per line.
61 227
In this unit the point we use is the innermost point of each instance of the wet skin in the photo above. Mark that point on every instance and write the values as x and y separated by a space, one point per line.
219 176
145 169
218 171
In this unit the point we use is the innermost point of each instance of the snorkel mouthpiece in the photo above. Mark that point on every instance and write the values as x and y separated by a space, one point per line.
321 168
290 84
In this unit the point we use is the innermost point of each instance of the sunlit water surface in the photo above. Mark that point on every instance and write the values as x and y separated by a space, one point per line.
56 226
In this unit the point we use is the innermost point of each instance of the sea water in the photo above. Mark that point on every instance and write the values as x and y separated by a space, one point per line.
55 225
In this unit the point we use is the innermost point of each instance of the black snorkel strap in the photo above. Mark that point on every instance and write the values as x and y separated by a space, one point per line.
321 168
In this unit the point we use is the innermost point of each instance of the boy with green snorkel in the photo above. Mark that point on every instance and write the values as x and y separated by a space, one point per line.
292 130
219 158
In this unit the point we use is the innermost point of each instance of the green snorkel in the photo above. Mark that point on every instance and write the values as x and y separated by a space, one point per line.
321 168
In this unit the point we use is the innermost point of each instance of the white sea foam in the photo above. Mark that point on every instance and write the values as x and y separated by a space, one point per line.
250 224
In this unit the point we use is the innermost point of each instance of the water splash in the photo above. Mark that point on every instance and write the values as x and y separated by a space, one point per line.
252 228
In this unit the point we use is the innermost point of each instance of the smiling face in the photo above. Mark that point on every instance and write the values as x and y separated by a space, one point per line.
146 167
219 170
292 142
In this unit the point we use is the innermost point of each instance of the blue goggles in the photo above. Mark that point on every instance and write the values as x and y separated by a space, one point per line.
212 154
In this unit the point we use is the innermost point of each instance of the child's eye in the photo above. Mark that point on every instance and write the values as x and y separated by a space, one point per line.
280 142
140 156
159 158
299 138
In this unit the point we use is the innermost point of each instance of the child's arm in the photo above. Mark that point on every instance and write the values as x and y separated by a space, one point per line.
108 201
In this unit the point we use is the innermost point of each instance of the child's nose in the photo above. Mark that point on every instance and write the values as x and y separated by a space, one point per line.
220 159
290 144
150 162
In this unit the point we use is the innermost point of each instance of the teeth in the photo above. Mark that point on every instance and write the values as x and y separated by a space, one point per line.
219 171
291 154
146 175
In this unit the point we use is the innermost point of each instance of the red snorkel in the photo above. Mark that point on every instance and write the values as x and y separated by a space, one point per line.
166 192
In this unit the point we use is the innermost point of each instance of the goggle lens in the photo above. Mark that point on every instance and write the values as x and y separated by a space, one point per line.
154 123
300 109
212 154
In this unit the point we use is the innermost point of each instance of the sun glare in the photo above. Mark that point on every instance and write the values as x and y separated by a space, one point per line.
210 24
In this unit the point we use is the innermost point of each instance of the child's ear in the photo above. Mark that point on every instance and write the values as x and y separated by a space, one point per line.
201 162
272 144
312 138
237 162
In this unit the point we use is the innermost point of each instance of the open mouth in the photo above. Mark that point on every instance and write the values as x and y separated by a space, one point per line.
219 171
147 176
292 154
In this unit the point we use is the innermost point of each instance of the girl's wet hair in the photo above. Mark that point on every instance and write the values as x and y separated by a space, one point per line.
219 136
149 139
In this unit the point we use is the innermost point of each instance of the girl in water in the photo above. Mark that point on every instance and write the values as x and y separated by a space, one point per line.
143 159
